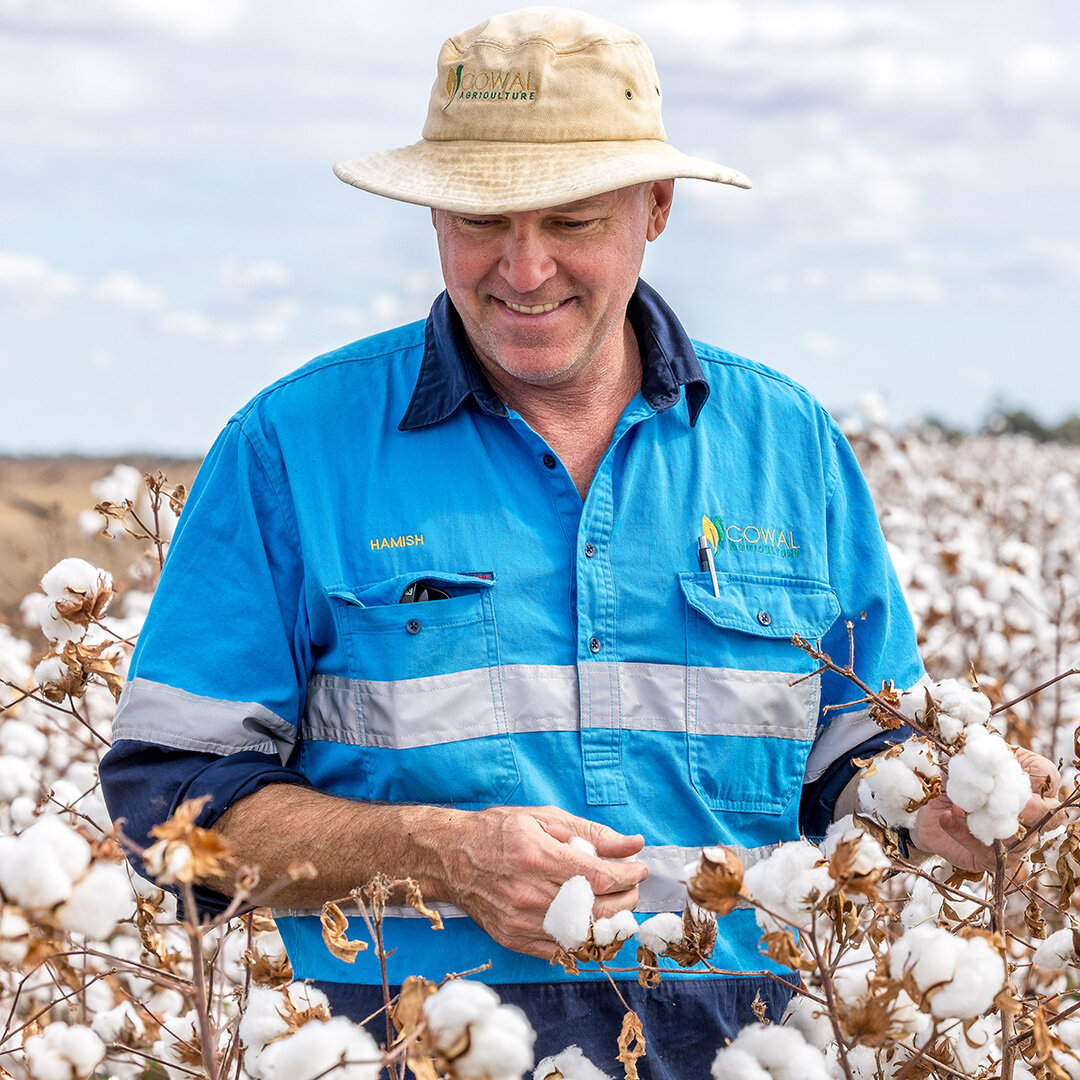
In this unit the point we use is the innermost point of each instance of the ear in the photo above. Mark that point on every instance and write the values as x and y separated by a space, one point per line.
434 223
661 193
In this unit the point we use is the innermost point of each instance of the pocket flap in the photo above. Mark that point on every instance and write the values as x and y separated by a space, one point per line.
389 590
763 606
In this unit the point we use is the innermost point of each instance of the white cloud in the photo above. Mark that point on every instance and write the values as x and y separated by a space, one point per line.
187 18
30 282
238 279
126 291
895 287
817 343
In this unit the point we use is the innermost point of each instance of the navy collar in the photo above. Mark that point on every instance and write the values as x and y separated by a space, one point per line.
449 373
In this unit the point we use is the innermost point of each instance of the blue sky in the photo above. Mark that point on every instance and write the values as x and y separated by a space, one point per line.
172 238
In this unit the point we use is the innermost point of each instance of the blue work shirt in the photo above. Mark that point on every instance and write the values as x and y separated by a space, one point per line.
582 658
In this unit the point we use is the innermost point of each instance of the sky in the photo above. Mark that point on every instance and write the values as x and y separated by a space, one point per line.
172 238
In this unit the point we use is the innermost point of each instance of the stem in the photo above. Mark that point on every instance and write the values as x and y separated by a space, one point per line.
375 929
198 975
830 999
1032 693
1008 1049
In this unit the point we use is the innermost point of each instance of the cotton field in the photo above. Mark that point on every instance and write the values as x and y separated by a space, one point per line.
909 970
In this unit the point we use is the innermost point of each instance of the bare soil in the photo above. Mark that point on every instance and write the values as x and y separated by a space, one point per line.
40 501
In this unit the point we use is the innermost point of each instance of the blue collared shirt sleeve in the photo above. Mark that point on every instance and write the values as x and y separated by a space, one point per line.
885 646
217 681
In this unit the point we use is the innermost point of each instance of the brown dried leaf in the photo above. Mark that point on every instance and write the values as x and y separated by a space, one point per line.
408 1015
268 971
649 970
1033 919
415 898
262 922
871 1020
567 960
83 661
1005 1001
698 940
209 850
717 884
760 1008
844 915
781 948
335 934
881 716
631 1045
842 870
1044 1043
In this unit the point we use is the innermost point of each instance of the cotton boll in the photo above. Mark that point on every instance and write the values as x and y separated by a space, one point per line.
98 902
660 931
961 701
811 1020
780 1053
570 913
1056 953
572 1064
17 777
264 1018
63 1052
500 1047
987 781
579 843
968 972
315 1048
74 576
869 854
23 740
788 882
109 1024
68 848
454 1007
621 926
896 784
14 937
33 879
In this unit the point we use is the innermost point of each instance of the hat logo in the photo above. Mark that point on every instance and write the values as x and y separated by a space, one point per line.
453 85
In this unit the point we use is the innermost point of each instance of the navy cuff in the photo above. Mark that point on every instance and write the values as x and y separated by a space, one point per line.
819 797
144 783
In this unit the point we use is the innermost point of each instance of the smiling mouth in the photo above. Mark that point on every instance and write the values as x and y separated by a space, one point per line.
538 309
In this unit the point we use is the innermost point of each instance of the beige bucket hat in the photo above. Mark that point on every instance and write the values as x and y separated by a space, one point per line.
536 108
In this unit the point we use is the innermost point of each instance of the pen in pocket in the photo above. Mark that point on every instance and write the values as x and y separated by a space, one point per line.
705 560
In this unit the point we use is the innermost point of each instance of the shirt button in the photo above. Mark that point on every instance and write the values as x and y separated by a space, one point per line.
590 549
549 460
764 618
594 644
413 626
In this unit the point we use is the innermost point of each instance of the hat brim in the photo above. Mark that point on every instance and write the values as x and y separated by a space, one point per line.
504 178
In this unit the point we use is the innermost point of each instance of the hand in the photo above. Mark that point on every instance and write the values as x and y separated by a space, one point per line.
941 826
505 865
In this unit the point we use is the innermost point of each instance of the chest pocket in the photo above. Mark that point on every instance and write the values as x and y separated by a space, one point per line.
750 724
423 694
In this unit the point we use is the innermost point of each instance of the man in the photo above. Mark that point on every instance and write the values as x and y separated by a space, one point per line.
435 606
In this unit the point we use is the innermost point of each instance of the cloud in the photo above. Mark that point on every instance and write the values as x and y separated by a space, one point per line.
31 284
185 18
817 343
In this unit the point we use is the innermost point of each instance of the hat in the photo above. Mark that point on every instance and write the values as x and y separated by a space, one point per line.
536 108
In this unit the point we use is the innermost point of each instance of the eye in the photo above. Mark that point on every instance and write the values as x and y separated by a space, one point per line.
476 223
577 224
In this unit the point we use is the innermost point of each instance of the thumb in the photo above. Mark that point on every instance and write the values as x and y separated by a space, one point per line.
609 844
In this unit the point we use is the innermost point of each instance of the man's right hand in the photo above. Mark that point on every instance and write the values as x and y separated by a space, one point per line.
503 867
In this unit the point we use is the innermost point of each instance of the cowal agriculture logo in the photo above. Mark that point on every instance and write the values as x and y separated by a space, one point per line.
488 85
770 542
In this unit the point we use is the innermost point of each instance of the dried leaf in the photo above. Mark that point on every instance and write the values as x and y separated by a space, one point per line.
83 661
334 932
415 898
781 948
844 915
871 1020
717 884
565 959
698 940
1005 1002
1033 919
267 970
208 852
631 1045
407 1015
648 974
760 1008
881 716
842 870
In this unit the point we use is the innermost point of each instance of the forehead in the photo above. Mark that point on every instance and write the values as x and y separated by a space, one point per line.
605 200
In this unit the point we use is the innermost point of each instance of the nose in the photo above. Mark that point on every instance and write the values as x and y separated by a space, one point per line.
526 262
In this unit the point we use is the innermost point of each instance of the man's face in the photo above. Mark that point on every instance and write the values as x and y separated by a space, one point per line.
542 293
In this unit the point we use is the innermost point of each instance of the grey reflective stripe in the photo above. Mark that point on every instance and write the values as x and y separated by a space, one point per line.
662 890
845 732
436 709
153 712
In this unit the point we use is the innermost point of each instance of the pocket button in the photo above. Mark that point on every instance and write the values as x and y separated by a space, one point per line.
413 626
764 618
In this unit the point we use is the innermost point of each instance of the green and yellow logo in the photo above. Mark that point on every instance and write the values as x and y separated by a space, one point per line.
767 541
489 85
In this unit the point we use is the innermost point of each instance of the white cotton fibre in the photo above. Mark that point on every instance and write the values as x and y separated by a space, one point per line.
967 973
579 843
570 913
619 927
317 1047
987 781
500 1047
1057 952
868 855
98 901
894 786
787 883
63 1052
456 1005
74 576
660 931
780 1053
572 1064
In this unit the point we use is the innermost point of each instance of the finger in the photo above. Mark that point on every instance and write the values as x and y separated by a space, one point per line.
607 878
609 844
615 902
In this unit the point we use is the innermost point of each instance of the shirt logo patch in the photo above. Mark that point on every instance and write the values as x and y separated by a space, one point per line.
767 541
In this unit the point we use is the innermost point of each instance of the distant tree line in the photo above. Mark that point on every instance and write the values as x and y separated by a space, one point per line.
1015 422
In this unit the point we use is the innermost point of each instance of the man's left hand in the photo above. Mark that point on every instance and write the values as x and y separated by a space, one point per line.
941 826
